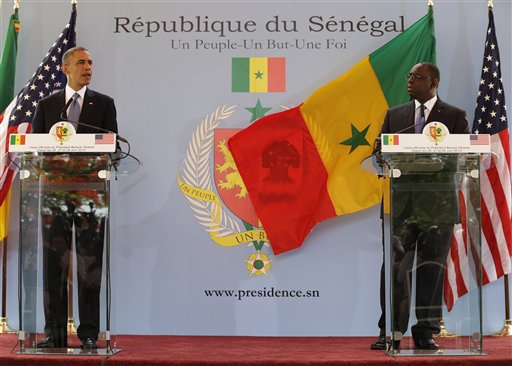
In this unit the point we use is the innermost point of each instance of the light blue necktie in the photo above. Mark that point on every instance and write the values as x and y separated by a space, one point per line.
74 110
420 121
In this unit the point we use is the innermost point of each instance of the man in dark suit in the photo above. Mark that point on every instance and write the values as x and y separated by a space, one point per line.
96 110
422 221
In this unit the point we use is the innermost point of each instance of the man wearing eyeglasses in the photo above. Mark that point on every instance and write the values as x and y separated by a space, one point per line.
422 229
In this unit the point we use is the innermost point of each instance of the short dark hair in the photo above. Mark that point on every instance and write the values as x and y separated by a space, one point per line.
67 55
433 70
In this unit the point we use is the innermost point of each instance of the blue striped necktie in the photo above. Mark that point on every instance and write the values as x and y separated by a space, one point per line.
74 110
420 121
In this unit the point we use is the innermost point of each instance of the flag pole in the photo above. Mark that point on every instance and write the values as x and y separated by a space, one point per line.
4 325
506 331
71 329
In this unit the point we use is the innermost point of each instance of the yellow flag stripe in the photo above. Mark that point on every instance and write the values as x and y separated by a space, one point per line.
258 75
4 215
354 100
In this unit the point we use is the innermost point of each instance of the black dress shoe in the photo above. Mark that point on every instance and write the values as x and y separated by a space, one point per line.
52 342
396 344
426 343
379 344
88 343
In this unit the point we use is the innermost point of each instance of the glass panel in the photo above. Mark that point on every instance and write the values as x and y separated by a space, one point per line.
435 206
64 223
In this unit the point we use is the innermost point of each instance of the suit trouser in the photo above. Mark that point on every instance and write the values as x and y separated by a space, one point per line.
56 258
430 252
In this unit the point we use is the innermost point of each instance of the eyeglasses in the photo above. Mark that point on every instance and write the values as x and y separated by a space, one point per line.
416 76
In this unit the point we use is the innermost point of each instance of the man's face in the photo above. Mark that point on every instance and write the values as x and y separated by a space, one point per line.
421 85
78 69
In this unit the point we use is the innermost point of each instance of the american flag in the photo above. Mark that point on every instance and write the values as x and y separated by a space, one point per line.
106 138
490 118
17 117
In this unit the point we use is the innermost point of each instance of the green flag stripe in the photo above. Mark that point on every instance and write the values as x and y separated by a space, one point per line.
8 64
395 59
240 74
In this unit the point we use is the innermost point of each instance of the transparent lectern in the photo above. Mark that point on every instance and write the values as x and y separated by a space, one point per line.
433 243
64 249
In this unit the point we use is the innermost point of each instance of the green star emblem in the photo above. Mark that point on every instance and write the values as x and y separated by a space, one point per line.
259 75
257 111
358 138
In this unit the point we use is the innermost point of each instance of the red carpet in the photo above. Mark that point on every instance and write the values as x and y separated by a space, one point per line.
257 351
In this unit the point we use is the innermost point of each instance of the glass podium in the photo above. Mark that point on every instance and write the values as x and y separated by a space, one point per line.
434 231
64 251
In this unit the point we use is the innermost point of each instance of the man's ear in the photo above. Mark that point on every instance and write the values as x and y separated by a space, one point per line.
435 83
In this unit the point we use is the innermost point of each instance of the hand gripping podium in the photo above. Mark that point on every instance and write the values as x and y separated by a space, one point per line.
64 248
433 244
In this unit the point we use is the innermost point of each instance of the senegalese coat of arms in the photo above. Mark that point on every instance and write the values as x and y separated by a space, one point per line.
221 205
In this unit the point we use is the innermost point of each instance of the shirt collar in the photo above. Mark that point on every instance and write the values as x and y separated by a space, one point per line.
70 92
429 104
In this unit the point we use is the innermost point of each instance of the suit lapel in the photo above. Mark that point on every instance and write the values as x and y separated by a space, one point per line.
86 114
437 112
57 106
59 102
408 118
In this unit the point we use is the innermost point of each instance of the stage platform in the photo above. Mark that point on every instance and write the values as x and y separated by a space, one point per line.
251 351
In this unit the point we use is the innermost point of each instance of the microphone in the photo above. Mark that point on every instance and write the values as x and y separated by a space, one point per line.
378 142
413 127
63 116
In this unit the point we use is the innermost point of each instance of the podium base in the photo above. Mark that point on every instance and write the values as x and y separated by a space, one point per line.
444 333
4 326
69 351
71 329
506 331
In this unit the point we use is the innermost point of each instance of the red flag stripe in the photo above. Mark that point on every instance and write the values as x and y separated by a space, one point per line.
456 280
505 144
489 272
452 281
6 174
489 243
462 270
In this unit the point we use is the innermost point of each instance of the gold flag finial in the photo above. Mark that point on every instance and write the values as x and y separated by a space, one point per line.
489 4
431 3
73 2
16 4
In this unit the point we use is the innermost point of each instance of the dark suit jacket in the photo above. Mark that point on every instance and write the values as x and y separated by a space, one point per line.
398 119
97 110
